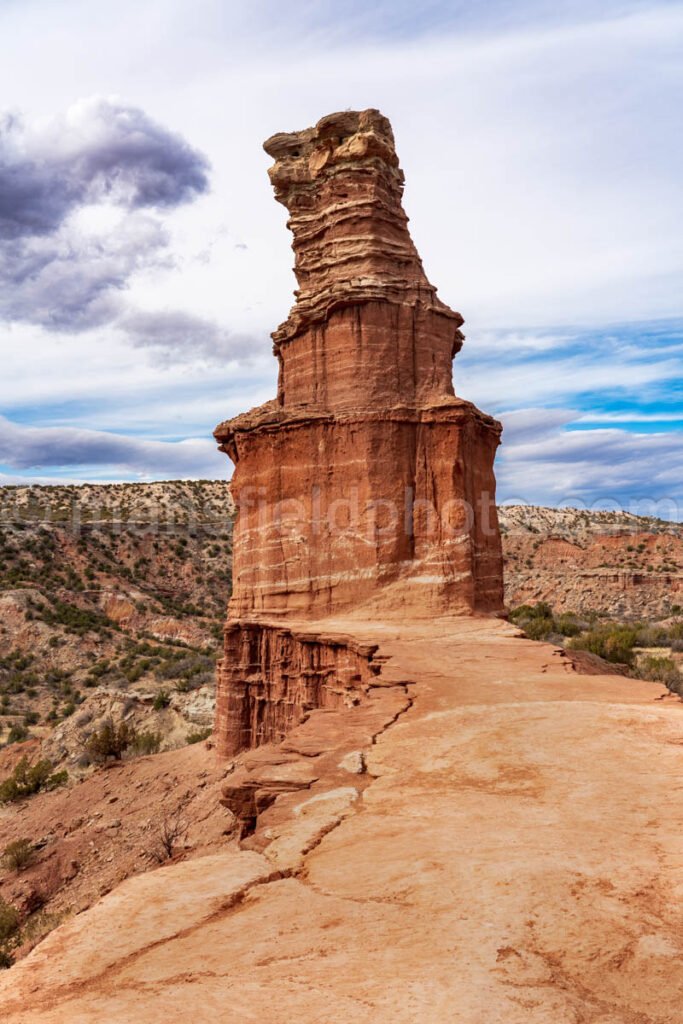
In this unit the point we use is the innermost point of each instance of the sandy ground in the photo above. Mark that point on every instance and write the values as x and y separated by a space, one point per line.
516 858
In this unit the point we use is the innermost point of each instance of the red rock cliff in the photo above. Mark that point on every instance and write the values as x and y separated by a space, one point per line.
366 484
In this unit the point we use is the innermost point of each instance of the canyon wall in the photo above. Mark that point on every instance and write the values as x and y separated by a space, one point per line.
366 486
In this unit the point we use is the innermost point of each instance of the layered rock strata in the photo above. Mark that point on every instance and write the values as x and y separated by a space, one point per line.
366 484
271 677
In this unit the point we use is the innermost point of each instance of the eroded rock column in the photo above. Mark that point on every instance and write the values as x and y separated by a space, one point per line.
366 486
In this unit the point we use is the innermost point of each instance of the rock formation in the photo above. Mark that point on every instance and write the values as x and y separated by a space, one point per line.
458 825
366 485
510 854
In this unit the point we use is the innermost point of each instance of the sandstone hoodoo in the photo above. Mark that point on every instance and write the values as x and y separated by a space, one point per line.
366 486
444 821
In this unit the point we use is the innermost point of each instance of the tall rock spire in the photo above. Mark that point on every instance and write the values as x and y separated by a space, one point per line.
342 185
366 487
366 480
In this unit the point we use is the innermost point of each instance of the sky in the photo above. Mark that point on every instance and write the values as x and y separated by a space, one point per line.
144 262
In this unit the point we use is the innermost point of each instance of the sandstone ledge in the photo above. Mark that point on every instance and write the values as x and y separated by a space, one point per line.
273 417
509 856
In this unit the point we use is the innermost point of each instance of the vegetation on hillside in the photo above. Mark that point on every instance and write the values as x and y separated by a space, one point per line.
113 586
29 778
622 643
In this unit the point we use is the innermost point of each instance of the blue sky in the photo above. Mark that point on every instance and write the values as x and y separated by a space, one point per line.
143 261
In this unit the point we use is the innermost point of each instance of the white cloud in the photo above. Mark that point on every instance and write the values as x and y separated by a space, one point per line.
541 150
547 464
53 270
541 163
23 447
178 337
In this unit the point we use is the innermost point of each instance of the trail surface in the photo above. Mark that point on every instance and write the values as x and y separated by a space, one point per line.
517 858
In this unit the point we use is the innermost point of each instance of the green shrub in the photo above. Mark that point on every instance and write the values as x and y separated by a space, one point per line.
536 620
161 701
146 743
17 734
110 741
567 625
541 610
76 620
653 636
538 628
9 921
612 642
18 855
661 670
198 735
27 779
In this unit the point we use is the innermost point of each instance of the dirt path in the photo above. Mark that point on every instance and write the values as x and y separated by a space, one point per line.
516 859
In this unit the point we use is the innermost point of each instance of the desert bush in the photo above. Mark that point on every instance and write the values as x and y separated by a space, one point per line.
40 924
161 701
186 669
18 855
538 628
536 620
653 636
198 735
661 670
567 625
27 779
613 642
675 632
540 610
9 921
171 831
76 620
17 734
110 740
146 743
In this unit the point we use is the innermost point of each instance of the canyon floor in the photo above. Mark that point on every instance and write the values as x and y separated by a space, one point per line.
511 854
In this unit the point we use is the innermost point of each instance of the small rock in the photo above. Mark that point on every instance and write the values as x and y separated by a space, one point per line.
353 762
72 870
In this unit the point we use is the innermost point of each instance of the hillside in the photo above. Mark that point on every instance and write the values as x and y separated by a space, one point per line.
122 588
109 588
613 563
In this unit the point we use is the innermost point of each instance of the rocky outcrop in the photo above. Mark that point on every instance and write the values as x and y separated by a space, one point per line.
272 677
366 480
366 486
342 186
